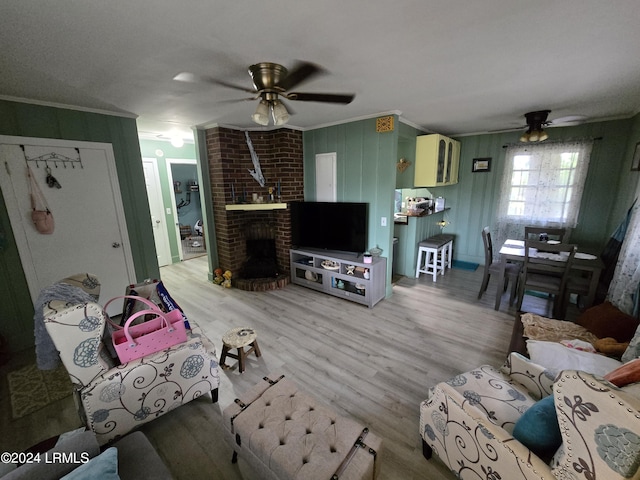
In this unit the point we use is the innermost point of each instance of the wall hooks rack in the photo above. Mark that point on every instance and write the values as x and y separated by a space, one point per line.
54 158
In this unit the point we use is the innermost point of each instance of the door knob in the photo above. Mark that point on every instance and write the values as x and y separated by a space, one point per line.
115 245
157 221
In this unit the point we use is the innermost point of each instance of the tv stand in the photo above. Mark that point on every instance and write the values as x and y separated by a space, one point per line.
343 275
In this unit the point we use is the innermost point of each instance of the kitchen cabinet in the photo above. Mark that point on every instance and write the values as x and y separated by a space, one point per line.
437 161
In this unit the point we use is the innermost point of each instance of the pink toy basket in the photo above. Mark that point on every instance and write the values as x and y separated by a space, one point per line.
135 341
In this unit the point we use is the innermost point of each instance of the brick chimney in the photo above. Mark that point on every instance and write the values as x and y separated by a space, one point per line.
281 160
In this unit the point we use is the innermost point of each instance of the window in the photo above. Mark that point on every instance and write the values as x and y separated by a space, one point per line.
542 185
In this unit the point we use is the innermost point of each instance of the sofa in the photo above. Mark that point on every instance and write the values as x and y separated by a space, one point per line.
130 458
115 398
524 421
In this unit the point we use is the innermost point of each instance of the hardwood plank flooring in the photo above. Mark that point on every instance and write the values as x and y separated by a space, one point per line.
373 365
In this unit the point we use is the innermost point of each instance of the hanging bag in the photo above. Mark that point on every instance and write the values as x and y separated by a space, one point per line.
40 214
162 331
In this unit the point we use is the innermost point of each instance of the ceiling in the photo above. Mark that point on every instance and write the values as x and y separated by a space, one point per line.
447 66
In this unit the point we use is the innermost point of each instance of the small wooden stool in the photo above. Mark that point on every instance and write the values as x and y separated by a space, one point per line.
239 338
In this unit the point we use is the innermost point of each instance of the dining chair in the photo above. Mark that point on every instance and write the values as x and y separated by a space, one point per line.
533 233
511 272
546 269
577 283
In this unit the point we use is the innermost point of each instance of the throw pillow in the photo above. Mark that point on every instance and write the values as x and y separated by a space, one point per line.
610 346
625 374
538 430
606 320
102 467
555 357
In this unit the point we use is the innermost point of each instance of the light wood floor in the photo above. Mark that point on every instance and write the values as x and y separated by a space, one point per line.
374 365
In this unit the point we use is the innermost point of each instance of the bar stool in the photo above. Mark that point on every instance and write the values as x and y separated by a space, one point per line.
438 255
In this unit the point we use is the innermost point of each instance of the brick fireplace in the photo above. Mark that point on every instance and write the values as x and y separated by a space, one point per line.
281 160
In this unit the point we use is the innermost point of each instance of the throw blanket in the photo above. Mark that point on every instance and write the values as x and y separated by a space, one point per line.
47 357
550 330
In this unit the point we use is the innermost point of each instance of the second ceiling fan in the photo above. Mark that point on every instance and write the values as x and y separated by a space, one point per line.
271 83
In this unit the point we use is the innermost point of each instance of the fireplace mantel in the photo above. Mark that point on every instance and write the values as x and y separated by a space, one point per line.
256 206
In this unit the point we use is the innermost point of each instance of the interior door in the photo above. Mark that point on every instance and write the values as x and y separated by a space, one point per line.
90 231
158 217
326 177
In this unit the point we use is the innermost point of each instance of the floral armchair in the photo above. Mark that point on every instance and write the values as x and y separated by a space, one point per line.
469 420
115 399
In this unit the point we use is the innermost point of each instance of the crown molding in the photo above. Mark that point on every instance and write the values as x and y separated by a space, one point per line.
43 103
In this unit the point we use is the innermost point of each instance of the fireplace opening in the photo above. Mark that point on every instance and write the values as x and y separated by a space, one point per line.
259 271
261 259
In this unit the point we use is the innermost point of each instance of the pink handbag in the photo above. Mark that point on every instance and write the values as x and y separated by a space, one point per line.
135 341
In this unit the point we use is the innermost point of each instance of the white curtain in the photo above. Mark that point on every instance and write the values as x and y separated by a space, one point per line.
623 290
542 185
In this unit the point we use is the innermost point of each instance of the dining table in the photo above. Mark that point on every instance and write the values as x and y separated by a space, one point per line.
513 251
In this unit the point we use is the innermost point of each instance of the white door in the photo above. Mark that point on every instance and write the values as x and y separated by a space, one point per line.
90 231
158 217
326 176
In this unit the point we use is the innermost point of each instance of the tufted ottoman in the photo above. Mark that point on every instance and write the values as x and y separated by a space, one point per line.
284 433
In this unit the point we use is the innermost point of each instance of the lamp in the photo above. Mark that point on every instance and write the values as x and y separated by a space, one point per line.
280 113
261 117
535 122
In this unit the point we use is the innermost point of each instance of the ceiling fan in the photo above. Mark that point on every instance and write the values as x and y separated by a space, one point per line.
536 121
271 83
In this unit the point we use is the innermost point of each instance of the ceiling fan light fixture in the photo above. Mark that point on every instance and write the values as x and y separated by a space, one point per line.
535 123
261 117
280 114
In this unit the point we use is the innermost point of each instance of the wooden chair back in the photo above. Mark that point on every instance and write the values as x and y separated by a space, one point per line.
488 247
533 233
543 257
546 269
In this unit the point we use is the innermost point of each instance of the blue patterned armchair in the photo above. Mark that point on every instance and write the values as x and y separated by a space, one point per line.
468 421
115 399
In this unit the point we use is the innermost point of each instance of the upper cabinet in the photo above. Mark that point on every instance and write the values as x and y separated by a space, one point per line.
437 161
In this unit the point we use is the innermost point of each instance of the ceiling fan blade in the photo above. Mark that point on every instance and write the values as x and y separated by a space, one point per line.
193 78
235 100
301 72
215 81
344 98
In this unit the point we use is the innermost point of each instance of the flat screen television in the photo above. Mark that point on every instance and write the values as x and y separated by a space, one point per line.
337 226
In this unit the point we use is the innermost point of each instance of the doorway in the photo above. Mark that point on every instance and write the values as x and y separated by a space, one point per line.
183 176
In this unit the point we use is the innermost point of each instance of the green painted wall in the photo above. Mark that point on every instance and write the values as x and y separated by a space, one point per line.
20 119
605 200
366 164
162 150
361 152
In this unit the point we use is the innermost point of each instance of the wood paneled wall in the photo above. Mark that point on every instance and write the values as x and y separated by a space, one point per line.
26 120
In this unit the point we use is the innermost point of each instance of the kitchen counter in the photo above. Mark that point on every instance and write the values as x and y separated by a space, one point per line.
403 218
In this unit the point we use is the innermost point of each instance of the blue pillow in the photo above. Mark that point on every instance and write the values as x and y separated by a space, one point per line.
102 467
538 430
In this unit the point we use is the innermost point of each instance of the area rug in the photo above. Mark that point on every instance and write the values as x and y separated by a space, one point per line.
32 389
465 265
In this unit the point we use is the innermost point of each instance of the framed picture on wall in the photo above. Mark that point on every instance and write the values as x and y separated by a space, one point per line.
635 163
481 165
